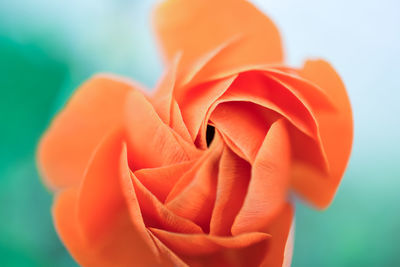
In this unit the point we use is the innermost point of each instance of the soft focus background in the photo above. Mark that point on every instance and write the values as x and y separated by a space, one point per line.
47 48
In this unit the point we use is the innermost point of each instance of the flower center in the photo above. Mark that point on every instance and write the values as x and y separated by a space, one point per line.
210 132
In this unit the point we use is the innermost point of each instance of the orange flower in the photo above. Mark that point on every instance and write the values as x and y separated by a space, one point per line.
199 172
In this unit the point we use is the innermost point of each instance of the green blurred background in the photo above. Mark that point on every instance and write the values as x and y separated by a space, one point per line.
47 48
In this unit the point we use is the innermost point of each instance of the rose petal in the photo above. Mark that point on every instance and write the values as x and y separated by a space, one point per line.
189 76
272 252
162 98
308 92
167 253
196 102
94 222
244 123
336 130
288 77
127 244
258 88
68 144
151 143
160 181
197 27
280 246
233 179
166 106
276 96
197 244
196 201
155 214
269 182
100 195
188 177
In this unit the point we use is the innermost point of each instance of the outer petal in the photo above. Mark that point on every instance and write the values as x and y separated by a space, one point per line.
130 247
280 247
94 222
197 27
66 147
306 91
336 131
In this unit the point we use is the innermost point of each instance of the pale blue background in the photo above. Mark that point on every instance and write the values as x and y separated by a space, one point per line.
360 38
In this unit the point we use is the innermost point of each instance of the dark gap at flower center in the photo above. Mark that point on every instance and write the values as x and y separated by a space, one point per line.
210 132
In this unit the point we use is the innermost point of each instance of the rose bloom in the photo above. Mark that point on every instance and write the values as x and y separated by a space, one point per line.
199 172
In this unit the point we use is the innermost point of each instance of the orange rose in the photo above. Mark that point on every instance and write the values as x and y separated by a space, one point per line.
198 173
